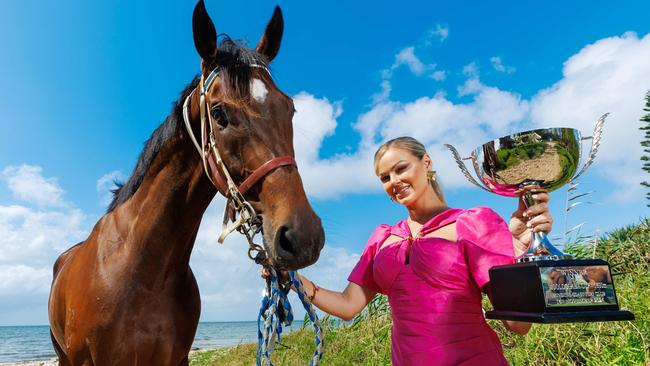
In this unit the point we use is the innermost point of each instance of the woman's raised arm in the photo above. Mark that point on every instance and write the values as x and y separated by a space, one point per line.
345 305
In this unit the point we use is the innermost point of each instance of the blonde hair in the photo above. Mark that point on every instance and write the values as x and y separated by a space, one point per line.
416 148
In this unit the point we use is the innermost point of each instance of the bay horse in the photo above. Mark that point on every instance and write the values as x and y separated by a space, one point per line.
127 295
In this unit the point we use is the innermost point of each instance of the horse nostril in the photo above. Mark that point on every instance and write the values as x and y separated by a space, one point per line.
285 241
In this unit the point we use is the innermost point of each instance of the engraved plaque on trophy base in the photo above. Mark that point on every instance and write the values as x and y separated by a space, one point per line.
555 291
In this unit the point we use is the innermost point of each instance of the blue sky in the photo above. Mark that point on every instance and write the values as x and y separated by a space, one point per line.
84 84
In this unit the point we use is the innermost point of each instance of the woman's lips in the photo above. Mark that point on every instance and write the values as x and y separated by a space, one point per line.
401 192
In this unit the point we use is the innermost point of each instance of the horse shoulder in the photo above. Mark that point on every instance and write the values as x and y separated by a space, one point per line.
64 257
69 254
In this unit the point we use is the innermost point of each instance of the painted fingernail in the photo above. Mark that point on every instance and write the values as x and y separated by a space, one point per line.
535 196
525 214
529 225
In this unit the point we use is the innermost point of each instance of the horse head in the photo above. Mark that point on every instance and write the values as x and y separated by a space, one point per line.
251 123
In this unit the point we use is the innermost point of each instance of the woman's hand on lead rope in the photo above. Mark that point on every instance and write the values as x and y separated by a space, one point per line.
309 287
536 218
283 275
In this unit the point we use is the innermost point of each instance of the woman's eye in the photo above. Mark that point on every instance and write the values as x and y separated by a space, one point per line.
219 116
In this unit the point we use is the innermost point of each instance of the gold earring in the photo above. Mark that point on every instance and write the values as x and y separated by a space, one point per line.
431 176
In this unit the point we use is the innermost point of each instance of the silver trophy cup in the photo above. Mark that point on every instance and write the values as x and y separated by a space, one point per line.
517 164
545 285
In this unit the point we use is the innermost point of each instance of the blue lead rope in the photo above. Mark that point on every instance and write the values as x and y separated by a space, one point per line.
276 311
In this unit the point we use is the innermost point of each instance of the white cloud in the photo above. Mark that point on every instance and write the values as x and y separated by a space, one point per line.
314 120
471 86
440 33
24 291
407 57
333 267
31 238
107 183
27 184
439 75
498 65
470 69
35 236
384 94
21 280
610 75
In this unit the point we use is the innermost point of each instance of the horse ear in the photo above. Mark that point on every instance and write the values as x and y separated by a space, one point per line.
205 35
269 44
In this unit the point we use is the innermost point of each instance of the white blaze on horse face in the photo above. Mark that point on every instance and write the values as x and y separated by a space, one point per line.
258 90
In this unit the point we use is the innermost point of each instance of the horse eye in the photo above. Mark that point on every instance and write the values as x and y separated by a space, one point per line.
219 116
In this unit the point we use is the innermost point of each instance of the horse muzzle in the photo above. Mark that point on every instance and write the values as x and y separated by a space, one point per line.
296 243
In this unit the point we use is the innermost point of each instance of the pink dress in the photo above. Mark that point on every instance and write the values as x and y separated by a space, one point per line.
435 299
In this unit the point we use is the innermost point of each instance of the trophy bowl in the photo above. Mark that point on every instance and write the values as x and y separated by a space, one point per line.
545 285
547 158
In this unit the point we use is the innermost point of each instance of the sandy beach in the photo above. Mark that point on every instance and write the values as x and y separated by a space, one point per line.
50 362
54 361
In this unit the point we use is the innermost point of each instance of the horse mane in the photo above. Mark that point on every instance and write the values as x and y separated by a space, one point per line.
236 63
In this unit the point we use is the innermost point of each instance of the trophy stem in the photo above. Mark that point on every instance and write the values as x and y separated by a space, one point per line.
540 247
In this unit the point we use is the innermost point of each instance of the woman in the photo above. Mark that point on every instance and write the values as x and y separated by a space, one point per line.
433 265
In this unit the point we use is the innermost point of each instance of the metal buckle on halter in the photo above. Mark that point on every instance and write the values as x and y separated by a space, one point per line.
213 143
248 209
261 253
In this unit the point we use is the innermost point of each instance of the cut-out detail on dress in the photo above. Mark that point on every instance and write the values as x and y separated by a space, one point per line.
392 239
435 233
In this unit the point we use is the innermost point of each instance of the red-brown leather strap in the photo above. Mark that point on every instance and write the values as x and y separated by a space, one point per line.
265 169
217 178
252 179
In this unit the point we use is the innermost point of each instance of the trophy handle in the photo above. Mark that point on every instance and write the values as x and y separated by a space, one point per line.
463 168
595 144
474 159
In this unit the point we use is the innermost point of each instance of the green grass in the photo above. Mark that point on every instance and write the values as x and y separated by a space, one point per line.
366 341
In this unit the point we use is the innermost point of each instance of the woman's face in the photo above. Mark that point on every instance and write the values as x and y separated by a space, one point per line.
403 175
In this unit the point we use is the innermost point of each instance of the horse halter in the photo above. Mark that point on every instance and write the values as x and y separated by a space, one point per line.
247 222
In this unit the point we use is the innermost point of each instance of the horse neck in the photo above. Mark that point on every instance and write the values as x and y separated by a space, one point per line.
160 222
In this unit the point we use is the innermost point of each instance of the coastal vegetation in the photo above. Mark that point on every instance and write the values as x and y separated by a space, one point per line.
366 340
645 158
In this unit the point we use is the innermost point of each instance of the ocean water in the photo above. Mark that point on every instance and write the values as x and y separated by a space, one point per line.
19 343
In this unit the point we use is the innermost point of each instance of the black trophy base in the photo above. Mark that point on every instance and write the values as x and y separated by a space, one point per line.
568 317
555 291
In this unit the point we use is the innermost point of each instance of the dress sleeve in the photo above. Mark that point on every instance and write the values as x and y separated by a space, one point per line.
362 273
486 240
